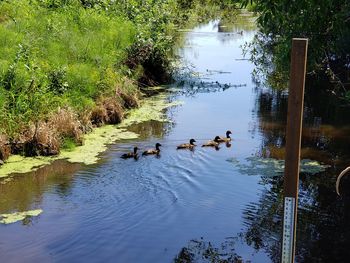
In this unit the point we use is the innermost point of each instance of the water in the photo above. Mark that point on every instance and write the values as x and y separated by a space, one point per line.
148 210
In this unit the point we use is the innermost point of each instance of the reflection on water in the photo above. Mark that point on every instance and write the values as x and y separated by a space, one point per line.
22 192
192 206
324 137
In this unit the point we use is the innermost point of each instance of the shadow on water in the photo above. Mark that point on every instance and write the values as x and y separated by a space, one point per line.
325 135
22 192
323 230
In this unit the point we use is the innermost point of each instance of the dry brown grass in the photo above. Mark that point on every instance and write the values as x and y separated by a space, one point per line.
5 148
45 137
65 123
98 115
129 97
107 111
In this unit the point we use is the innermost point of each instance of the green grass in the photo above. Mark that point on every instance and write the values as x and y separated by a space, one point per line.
68 53
72 53
68 144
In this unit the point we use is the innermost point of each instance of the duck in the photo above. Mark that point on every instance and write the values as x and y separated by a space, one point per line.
130 154
227 138
214 143
190 145
153 151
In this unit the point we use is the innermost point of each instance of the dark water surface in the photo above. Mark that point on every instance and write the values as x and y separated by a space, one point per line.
148 210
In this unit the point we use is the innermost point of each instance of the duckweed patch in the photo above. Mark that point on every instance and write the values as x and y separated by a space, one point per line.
151 109
95 143
273 167
18 216
20 164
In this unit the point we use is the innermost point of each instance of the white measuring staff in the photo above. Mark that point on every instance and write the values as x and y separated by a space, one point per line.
288 230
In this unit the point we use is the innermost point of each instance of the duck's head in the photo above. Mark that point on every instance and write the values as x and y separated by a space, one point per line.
158 145
217 138
192 141
228 134
135 149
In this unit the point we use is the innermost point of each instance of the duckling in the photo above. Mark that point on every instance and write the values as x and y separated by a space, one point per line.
190 145
130 154
153 151
214 143
227 139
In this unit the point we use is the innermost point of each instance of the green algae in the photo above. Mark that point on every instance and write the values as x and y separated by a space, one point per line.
20 164
273 167
151 109
95 143
18 216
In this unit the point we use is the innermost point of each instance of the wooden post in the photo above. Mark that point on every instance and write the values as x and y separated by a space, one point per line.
293 144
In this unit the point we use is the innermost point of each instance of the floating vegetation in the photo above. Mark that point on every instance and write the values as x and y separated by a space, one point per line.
151 109
20 164
273 167
190 82
204 251
18 216
95 143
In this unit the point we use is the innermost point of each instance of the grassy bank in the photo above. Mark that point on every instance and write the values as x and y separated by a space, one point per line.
69 65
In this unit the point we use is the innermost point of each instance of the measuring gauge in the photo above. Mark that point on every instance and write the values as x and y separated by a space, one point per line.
288 230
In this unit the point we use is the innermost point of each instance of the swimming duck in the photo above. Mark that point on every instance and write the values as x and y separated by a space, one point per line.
130 154
214 143
227 139
190 145
153 151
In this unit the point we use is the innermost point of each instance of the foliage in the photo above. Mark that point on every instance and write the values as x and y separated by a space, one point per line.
325 23
56 57
74 53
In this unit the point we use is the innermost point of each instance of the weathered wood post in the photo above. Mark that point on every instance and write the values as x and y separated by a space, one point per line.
293 144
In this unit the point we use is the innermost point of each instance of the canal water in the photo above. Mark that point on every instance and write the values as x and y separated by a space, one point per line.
202 205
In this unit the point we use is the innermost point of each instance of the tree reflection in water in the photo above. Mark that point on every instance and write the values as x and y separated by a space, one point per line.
323 228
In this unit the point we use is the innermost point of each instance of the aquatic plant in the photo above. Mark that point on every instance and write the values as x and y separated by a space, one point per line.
19 164
151 109
200 250
18 216
272 167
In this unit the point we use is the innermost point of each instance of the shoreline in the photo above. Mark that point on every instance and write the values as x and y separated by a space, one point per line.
96 141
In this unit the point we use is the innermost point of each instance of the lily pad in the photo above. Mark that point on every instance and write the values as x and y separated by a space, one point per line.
18 216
